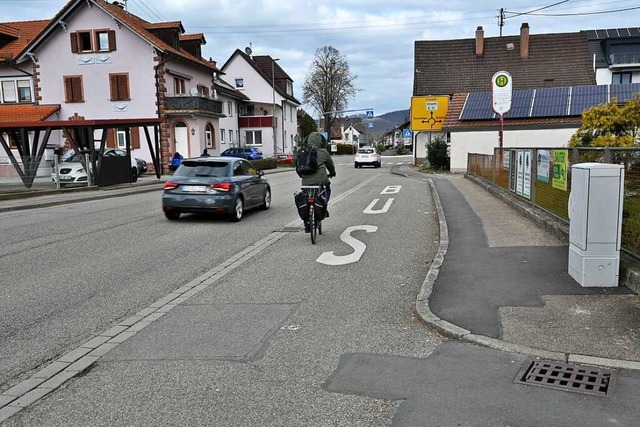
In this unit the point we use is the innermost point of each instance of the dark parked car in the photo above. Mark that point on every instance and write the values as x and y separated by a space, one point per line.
215 184
142 166
245 153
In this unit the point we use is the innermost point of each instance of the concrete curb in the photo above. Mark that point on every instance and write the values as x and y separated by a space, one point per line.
450 330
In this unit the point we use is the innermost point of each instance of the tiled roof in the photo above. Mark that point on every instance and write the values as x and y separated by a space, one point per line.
452 122
137 24
22 33
26 113
189 37
444 67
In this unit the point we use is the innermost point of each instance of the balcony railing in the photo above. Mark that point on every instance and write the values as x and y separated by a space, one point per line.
194 104
624 58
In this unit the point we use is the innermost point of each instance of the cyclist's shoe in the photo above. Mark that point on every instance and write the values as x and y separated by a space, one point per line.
326 214
307 228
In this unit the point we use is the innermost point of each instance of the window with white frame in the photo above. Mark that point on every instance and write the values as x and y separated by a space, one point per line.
230 108
230 136
222 132
15 90
239 83
253 137
179 86
284 113
121 138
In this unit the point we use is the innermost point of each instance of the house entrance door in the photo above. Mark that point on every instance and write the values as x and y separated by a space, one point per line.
181 136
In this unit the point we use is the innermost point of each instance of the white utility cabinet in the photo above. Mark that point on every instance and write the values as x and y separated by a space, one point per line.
595 223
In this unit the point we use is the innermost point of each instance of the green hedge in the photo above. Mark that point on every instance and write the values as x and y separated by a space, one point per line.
262 164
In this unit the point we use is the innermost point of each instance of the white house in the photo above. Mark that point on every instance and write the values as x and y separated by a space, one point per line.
96 61
269 120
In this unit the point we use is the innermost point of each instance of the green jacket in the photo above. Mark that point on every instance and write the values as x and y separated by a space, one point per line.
325 162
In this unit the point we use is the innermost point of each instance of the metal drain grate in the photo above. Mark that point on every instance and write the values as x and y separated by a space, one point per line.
567 377
290 229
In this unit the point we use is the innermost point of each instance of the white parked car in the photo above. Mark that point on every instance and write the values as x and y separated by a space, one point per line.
367 156
71 170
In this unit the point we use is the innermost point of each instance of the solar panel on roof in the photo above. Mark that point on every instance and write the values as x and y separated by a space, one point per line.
550 102
624 92
520 104
585 97
477 107
634 32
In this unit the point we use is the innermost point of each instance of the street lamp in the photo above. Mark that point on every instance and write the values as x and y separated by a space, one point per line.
273 91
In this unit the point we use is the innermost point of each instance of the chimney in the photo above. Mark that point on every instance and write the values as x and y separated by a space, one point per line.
524 41
479 41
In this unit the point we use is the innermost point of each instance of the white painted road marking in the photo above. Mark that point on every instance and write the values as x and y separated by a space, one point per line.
385 208
391 189
329 258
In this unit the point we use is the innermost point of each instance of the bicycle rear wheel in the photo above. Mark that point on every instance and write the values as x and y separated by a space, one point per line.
312 223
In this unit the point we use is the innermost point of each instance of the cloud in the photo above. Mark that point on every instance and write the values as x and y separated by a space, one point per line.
376 36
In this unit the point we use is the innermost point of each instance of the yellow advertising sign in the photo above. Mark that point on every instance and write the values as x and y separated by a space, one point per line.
428 112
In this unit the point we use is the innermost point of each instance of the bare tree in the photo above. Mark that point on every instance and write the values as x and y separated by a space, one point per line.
329 85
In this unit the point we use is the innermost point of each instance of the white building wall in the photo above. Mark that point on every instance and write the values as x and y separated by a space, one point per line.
133 55
605 75
463 143
260 93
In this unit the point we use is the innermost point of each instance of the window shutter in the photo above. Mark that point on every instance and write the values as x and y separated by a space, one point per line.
76 89
68 91
111 138
123 86
112 40
135 138
113 86
74 42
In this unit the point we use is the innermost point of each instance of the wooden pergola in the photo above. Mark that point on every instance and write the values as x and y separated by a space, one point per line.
79 133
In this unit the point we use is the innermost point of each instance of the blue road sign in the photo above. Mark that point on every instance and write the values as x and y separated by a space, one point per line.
370 125
326 135
406 133
369 114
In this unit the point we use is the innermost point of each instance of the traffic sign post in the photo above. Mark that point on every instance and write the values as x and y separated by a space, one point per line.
501 94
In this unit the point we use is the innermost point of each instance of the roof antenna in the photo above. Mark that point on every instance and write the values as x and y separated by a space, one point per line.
501 20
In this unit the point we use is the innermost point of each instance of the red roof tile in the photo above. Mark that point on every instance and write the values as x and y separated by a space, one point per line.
22 33
26 113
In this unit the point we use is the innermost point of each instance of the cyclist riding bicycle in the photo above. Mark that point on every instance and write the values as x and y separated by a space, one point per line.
326 169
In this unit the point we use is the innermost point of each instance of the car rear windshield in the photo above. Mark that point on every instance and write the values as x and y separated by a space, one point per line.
202 169
366 150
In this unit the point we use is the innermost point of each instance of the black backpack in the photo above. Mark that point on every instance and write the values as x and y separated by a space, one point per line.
307 160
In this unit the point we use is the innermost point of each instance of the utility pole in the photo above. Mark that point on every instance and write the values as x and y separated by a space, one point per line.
501 20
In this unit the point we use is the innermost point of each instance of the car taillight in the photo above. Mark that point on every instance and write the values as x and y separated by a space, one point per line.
374 155
357 154
170 185
223 186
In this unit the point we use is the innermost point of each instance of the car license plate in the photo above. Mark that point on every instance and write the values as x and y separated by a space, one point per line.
193 188
65 178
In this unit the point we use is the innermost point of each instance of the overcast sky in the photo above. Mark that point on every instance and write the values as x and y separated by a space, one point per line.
376 36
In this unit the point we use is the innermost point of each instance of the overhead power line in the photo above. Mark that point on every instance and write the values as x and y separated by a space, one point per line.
600 12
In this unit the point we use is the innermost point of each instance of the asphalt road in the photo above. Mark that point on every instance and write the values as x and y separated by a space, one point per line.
73 271
286 334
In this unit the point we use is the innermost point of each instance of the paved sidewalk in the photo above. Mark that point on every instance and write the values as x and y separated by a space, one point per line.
501 281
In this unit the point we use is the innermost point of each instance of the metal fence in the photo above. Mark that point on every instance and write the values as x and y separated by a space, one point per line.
542 176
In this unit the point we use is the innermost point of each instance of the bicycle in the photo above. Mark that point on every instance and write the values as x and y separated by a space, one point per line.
315 198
